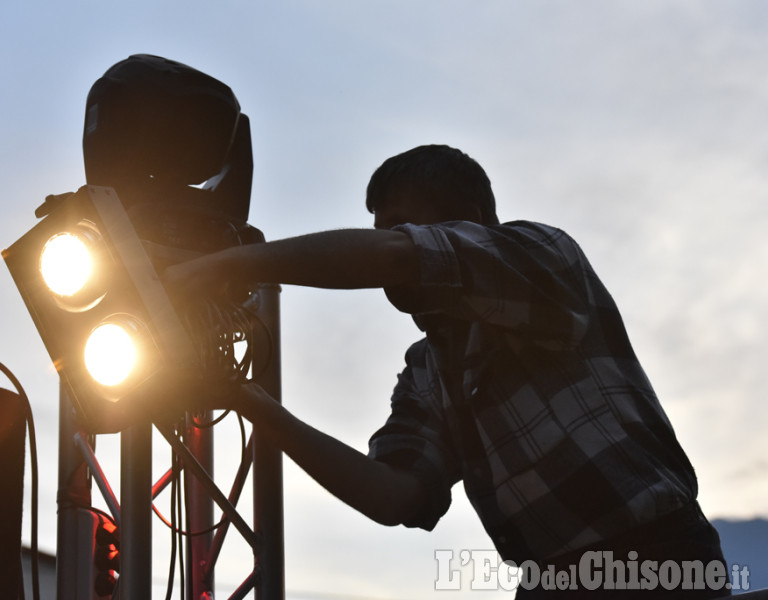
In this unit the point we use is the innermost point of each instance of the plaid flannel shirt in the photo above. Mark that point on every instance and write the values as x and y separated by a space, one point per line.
526 388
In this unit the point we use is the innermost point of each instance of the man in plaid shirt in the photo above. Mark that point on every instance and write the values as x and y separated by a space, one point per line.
525 385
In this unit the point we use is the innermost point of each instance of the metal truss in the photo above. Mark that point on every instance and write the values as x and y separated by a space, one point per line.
78 521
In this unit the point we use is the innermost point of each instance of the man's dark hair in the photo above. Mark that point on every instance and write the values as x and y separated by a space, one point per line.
444 177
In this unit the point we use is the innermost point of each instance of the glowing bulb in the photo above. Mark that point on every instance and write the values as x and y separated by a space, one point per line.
65 264
110 354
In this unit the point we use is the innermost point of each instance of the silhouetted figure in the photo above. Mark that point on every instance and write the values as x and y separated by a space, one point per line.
525 386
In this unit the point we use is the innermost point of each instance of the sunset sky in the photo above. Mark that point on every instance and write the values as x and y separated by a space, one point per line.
640 128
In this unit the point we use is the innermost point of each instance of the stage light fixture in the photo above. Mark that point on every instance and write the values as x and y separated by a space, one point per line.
102 312
175 150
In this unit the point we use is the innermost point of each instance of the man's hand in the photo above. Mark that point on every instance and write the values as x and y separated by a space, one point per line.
163 256
207 275
253 402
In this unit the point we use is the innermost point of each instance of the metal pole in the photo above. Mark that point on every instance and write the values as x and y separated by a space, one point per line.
74 536
136 512
267 461
199 441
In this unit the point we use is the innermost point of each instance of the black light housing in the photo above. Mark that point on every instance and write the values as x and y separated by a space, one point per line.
154 126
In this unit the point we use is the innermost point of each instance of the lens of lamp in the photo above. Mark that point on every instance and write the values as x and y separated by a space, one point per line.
65 264
110 353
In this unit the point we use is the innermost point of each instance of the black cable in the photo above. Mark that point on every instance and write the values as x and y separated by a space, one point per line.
172 563
270 346
177 530
210 423
243 458
243 448
181 539
172 525
243 440
34 474
215 327
98 511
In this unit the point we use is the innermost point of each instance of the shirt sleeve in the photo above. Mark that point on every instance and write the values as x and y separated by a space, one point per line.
415 439
525 277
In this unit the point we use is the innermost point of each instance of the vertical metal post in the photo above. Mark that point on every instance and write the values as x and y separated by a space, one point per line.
199 441
136 512
74 538
267 461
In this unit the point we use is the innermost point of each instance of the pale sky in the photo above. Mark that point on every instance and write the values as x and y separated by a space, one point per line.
641 128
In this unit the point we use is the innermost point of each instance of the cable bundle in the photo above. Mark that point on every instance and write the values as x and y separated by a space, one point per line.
215 327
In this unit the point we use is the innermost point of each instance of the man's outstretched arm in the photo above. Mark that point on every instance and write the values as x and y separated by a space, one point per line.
387 495
340 259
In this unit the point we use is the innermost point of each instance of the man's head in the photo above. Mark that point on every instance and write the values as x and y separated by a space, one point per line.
430 184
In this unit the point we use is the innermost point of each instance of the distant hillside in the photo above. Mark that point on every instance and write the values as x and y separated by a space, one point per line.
746 543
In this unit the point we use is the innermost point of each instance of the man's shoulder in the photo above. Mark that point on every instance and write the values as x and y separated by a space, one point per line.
417 351
534 233
534 227
473 229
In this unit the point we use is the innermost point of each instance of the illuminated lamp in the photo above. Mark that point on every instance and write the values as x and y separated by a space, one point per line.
73 264
116 351
104 316
66 264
